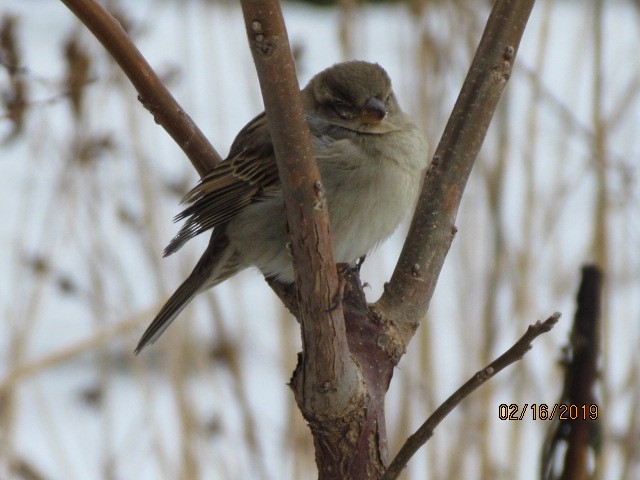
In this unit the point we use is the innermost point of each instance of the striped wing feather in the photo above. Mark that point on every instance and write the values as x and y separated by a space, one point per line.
249 171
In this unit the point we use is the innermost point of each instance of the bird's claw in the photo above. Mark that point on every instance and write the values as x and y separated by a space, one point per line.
343 285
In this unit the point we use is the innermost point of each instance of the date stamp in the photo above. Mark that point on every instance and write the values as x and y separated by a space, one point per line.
543 411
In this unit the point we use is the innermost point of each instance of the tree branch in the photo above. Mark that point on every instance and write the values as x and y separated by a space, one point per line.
578 434
327 381
152 93
515 353
343 398
406 297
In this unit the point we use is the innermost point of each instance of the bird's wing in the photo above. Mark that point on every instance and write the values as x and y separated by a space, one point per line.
249 172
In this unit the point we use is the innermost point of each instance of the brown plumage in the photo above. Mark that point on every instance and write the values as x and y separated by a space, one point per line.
370 156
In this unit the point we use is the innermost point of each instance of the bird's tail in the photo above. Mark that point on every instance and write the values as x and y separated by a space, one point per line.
216 265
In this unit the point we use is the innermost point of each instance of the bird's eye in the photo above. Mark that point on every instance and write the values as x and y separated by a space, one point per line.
342 109
388 99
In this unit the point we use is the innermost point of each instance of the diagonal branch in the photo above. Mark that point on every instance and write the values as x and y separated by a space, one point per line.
424 433
152 93
407 295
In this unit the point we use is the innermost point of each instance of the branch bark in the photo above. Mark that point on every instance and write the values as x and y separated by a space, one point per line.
582 374
153 95
406 297
347 362
327 383
578 434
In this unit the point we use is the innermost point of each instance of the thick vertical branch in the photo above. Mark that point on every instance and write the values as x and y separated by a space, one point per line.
327 380
327 383
407 295
152 93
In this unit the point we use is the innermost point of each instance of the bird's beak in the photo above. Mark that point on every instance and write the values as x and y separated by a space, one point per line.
373 112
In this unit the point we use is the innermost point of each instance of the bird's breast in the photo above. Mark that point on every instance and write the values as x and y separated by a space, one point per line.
369 206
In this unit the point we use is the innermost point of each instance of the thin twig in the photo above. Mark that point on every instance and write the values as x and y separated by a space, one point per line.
422 435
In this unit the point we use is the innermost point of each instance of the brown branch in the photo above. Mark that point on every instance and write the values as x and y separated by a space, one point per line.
347 422
422 435
326 382
152 93
407 295
287 293
582 372
578 432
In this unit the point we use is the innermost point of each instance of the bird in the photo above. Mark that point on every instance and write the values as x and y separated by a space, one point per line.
371 157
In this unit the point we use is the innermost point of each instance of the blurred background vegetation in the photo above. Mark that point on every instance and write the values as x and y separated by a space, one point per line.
89 185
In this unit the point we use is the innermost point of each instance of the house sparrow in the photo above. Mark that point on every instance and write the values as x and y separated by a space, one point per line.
370 155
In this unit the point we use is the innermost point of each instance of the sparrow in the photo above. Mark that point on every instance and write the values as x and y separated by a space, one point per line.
370 155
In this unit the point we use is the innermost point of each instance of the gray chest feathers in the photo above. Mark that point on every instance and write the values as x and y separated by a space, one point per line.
367 204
